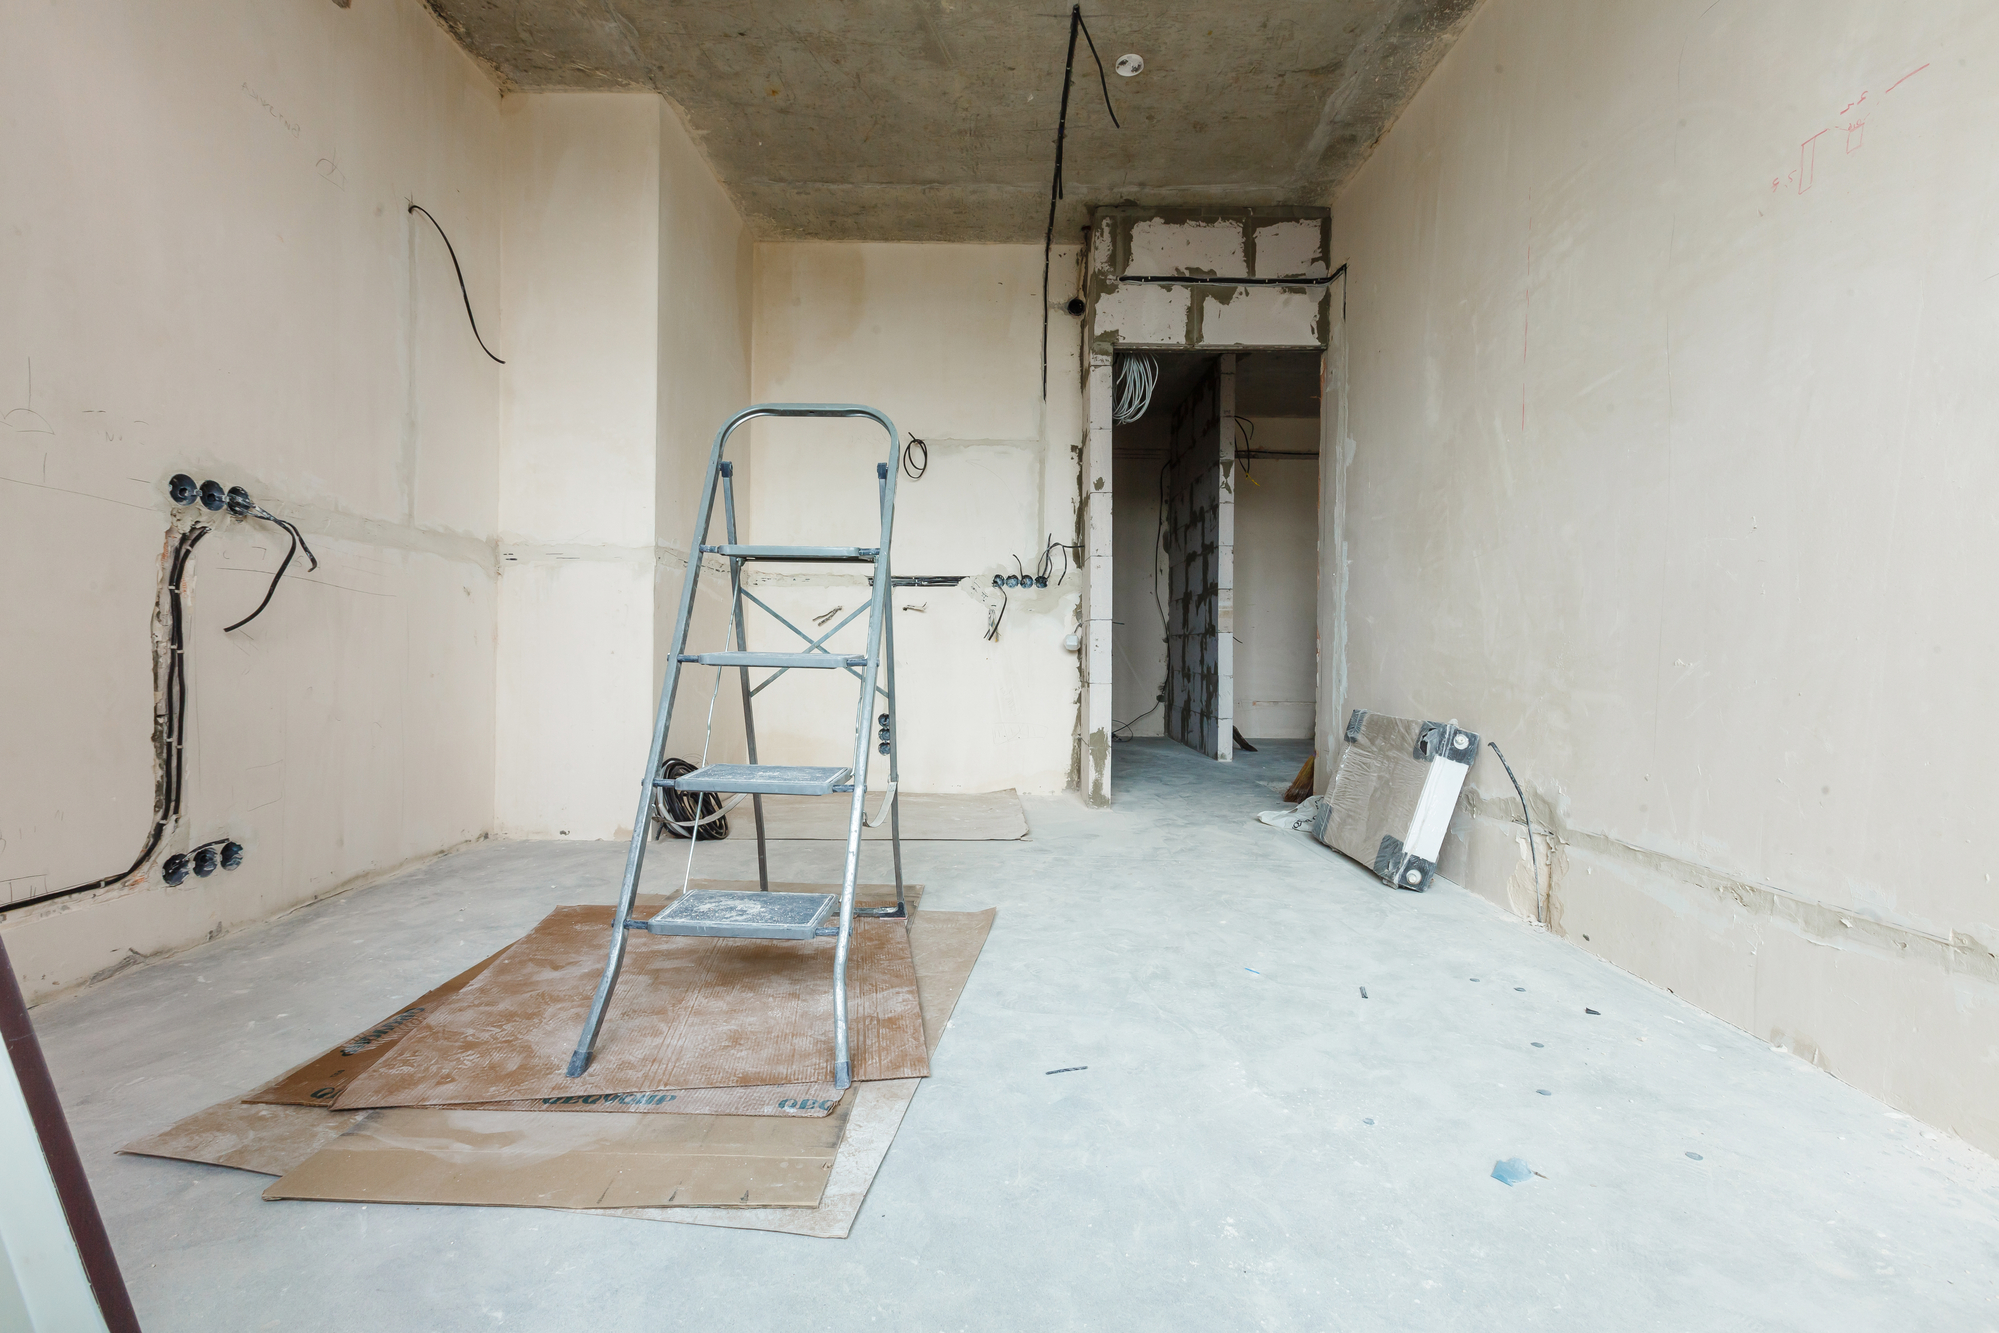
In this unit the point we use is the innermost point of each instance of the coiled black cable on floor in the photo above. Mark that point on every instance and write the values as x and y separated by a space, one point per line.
677 813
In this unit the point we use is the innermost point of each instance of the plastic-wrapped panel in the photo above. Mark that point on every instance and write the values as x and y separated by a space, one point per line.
1393 794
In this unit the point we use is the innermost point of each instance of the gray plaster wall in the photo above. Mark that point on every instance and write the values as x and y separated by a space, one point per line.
1669 466
1277 580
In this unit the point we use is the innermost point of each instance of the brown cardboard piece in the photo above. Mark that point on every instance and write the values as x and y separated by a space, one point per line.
878 1108
275 1140
990 816
267 1139
690 1012
320 1080
526 1159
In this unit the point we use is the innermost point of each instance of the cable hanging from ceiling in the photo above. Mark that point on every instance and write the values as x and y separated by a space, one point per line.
1076 25
1138 376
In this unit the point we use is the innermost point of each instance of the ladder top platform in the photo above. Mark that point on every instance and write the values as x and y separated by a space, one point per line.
815 554
763 779
812 661
742 915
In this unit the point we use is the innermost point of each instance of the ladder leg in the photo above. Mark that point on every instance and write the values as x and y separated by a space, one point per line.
586 1042
894 740
894 746
864 716
743 642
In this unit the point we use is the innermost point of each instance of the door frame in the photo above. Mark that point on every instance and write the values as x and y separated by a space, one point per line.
1165 312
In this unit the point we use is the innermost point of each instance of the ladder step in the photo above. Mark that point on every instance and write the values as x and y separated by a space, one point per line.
819 660
762 779
817 554
741 915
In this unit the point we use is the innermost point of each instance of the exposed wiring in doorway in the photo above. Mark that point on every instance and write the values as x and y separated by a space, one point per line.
911 466
1076 25
1245 430
1158 548
1138 376
415 207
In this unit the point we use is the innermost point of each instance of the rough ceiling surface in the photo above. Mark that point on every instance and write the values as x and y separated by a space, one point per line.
934 120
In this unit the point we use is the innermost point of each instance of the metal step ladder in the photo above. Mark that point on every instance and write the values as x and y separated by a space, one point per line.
765 915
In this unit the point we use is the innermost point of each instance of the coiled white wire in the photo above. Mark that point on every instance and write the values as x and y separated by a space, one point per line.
1137 377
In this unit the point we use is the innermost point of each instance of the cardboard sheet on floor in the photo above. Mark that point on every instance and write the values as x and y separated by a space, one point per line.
275 1140
248 1136
878 1108
690 1012
989 816
526 1159
320 1080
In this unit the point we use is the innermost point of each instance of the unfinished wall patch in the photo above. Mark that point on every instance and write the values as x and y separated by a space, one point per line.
1263 317
1289 249
1190 248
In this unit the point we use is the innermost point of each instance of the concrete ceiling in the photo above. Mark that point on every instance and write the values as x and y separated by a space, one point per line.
934 120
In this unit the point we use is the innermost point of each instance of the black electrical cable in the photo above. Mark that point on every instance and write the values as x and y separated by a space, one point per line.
298 542
1076 25
1533 860
1046 569
992 634
1158 542
415 207
1103 82
1159 547
170 737
910 467
692 812
1245 430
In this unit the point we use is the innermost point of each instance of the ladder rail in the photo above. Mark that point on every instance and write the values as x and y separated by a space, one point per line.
743 641
579 1061
879 609
894 749
628 890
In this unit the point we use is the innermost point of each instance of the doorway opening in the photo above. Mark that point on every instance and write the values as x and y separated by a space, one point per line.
1215 565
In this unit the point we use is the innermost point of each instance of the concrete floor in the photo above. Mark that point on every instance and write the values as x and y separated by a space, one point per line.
1253 1144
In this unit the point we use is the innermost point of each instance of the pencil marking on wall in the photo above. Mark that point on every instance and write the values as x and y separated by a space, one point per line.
1526 313
1906 77
1807 161
26 420
1851 121
291 126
